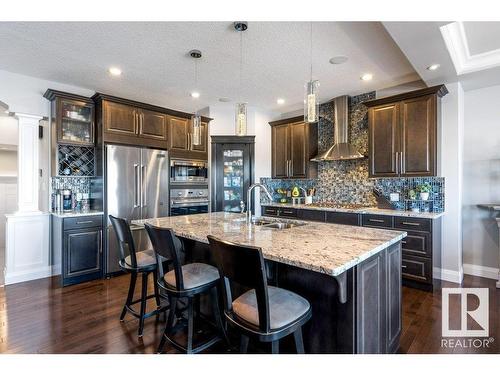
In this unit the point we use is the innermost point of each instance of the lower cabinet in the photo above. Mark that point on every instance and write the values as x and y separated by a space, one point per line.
79 243
378 302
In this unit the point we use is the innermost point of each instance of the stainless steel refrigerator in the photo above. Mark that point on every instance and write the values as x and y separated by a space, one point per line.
136 185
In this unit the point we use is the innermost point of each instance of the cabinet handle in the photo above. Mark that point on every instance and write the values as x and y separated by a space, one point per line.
396 162
401 162
403 242
287 212
100 241
84 222
141 122
136 122
408 223
376 220
291 168
403 266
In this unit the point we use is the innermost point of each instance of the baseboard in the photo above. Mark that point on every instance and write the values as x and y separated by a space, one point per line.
481 271
56 270
448 275
34 274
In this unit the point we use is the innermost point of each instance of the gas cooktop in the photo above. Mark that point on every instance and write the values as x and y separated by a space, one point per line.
349 206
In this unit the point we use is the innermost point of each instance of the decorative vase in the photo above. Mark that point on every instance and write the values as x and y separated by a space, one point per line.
424 196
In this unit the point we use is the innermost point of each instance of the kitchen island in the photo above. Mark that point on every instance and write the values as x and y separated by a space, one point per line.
350 275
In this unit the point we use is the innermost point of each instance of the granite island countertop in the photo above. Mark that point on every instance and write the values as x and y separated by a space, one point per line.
327 248
362 210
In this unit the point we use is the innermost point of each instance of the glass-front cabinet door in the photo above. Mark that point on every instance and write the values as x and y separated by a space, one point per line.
233 173
75 122
234 176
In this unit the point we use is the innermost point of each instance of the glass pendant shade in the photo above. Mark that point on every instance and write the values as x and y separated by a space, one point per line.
241 119
311 101
196 130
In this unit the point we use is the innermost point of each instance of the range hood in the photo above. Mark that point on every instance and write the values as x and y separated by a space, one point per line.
342 149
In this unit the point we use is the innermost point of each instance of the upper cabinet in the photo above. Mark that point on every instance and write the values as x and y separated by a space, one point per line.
293 144
181 139
402 132
72 117
127 122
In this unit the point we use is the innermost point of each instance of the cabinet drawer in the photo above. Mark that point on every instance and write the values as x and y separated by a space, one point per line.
288 212
412 223
82 222
269 211
312 215
377 221
345 218
417 243
417 268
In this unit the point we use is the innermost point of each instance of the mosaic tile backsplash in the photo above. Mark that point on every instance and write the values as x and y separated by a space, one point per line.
347 181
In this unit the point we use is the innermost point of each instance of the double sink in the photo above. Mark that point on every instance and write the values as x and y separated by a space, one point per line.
275 224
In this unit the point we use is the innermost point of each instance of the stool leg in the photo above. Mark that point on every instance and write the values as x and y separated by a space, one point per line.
168 324
190 325
275 347
157 294
144 294
244 344
217 315
299 343
130 295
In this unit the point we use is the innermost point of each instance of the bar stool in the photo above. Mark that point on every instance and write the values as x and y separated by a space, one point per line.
264 313
135 263
188 281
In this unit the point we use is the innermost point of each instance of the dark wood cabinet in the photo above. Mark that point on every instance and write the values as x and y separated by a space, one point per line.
402 132
293 144
181 139
232 171
345 218
133 123
72 118
77 242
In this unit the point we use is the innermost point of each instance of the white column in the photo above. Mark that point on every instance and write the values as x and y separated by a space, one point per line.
28 230
28 164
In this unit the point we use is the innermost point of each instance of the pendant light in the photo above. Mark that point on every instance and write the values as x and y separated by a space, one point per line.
311 92
241 107
196 141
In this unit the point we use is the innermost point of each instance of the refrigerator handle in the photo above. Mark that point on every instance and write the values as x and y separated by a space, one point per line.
137 186
144 202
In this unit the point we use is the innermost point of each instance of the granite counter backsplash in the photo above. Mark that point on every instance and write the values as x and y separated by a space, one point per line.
347 181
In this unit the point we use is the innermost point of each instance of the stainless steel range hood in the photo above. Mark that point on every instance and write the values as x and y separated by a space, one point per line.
342 149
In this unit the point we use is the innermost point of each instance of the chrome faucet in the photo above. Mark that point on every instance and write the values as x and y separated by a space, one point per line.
249 199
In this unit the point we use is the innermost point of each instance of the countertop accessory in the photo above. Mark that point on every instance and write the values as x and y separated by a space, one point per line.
394 197
67 200
382 202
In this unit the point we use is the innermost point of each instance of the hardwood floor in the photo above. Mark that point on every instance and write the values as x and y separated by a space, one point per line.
41 317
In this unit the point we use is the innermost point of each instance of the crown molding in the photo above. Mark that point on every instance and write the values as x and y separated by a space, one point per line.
456 42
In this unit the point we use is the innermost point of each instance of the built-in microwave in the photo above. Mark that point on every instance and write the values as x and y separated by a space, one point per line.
188 171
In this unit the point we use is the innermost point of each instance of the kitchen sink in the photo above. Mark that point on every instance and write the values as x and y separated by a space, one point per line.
282 225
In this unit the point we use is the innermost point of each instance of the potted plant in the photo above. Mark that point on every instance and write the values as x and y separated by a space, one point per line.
412 194
424 191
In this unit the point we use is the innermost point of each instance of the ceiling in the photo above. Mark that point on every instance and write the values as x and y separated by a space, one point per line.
156 68
468 52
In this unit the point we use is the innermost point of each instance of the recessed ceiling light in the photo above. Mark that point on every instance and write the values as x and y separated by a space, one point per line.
280 101
115 71
340 59
195 94
433 67
224 100
367 77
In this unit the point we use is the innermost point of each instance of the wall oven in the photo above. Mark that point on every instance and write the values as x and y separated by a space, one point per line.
189 201
185 171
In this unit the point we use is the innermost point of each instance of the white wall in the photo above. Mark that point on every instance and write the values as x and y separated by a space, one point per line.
257 124
8 163
481 176
24 94
451 140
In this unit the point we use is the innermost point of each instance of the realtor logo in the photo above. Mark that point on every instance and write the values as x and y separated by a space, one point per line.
473 307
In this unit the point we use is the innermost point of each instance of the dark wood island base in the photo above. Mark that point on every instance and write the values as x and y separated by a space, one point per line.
358 311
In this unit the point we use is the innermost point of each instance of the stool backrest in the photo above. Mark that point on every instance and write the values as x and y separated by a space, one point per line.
245 266
125 239
167 245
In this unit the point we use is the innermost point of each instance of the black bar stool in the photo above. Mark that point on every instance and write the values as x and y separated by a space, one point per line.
135 263
264 313
185 281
